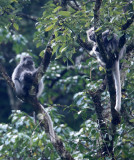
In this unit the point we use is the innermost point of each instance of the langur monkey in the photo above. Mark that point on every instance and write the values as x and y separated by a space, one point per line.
111 46
22 78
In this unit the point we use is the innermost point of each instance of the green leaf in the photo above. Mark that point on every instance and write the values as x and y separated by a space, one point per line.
132 120
38 44
56 9
16 26
3 157
42 53
55 48
64 59
52 155
60 38
81 147
64 13
49 28
101 68
58 57
132 149
99 29
63 48
71 60
44 13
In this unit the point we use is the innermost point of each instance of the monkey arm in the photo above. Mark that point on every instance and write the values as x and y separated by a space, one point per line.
17 72
18 87
16 80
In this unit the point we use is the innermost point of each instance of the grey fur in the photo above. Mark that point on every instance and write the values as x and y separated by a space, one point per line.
23 74
111 46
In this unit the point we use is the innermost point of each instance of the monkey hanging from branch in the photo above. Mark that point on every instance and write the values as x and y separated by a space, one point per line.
112 47
23 78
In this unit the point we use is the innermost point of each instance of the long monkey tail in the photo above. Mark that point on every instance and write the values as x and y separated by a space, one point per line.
50 124
116 75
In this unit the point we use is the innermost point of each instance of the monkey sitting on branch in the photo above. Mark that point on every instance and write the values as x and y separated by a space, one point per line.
23 77
115 52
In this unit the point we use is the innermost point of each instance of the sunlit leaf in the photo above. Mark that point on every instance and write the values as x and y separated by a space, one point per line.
64 13
56 9
15 25
49 28
132 120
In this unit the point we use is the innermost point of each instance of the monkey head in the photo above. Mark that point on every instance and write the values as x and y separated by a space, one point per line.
27 61
91 35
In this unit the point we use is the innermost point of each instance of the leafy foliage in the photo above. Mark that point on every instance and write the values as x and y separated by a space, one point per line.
24 138
70 75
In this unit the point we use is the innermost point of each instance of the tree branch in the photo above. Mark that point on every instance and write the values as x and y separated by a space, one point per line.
84 44
128 23
98 35
130 48
45 60
58 144
38 109
34 19
109 62
96 97
124 27
74 5
6 77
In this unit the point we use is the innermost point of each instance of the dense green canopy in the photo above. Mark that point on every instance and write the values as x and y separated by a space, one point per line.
78 92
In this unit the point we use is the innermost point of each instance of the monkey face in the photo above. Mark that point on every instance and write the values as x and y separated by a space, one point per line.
27 61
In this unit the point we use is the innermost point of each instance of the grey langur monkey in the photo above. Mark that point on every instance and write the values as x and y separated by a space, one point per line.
23 76
111 46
